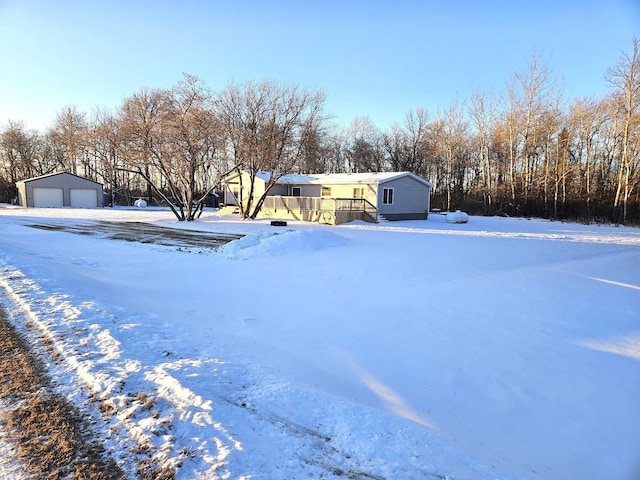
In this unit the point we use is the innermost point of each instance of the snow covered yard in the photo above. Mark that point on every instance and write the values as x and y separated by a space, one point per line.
501 348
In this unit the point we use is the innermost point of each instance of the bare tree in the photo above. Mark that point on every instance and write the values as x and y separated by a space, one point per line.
534 102
363 150
172 136
625 78
267 128
531 95
68 138
106 146
452 147
405 144
140 124
335 149
483 111
586 119
194 133
318 155
18 152
511 123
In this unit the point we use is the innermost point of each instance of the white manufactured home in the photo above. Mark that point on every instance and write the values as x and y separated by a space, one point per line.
60 190
336 198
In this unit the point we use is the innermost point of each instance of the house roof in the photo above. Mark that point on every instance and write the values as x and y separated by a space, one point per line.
55 174
343 178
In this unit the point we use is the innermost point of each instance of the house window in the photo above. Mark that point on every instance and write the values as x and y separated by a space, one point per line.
326 191
358 192
295 191
387 196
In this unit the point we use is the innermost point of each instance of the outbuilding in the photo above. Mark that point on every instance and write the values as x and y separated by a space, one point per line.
61 189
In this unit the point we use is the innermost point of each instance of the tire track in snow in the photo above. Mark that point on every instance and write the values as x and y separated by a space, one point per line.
138 402
150 413
586 237
147 412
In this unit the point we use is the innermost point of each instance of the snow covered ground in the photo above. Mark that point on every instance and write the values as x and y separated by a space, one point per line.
501 348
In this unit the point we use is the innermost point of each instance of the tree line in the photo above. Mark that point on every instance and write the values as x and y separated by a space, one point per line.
527 151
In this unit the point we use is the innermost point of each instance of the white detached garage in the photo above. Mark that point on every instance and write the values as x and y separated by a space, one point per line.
59 190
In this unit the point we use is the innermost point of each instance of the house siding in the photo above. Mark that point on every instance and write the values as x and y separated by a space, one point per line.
310 190
346 190
411 199
234 182
285 190
279 189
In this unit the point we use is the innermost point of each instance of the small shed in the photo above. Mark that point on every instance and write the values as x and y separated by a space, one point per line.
60 190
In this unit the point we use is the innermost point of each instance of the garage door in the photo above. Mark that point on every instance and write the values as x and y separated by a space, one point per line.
84 197
47 197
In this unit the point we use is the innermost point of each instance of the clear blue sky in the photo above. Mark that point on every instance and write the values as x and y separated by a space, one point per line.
372 58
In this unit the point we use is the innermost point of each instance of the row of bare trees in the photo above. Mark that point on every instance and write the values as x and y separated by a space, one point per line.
527 151
171 146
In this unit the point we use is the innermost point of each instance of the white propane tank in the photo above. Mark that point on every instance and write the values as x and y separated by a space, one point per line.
457 217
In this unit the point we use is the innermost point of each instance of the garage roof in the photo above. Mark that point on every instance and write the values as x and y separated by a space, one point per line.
53 175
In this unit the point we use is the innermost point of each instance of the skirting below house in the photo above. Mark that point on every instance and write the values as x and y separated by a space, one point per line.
405 216
326 216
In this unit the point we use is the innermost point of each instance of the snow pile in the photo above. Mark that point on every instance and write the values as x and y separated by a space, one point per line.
289 242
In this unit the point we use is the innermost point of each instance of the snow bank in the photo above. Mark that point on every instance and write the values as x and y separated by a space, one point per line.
289 242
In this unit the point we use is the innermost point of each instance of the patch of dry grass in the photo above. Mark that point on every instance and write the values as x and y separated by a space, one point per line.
51 437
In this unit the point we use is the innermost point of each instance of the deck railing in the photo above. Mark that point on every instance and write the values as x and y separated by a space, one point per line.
324 210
